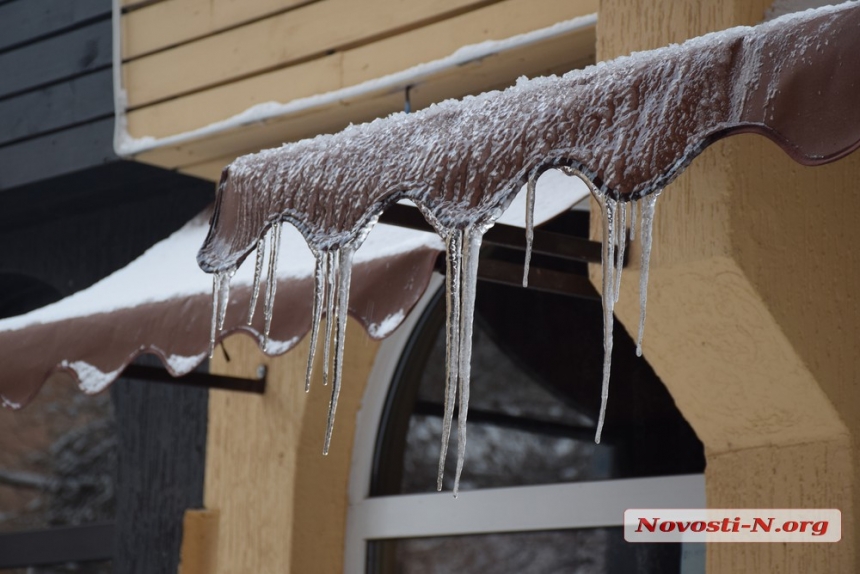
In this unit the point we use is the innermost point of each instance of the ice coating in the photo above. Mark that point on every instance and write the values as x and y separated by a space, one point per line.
631 125
628 127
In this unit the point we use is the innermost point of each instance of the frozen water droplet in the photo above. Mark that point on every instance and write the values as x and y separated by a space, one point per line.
319 295
344 276
530 226
271 281
648 208
258 272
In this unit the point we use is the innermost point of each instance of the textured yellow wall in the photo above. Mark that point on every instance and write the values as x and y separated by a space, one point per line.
282 504
751 315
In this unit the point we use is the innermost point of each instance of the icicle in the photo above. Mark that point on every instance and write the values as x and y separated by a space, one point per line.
530 227
258 273
453 248
331 274
632 219
469 278
621 244
224 298
213 329
344 276
319 295
271 281
648 206
609 267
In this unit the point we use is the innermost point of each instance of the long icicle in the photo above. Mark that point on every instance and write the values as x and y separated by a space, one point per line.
621 244
271 281
258 274
453 249
344 276
649 204
609 206
331 285
213 329
530 226
316 317
471 248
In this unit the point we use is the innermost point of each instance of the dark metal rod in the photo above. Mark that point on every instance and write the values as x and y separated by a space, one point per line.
540 279
545 242
88 543
195 379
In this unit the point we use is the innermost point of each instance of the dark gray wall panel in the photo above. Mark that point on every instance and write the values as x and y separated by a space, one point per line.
23 21
69 232
80 51
160 469
56 154
82 99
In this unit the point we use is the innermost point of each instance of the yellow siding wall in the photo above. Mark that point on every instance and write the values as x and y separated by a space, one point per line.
189 63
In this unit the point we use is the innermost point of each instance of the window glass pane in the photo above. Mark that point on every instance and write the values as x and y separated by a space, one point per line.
585 551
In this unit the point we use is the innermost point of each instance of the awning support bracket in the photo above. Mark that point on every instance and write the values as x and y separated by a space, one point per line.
196 379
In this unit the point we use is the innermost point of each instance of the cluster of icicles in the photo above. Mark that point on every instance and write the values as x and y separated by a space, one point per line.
331 297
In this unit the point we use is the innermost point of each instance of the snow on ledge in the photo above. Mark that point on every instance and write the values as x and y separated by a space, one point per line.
126 145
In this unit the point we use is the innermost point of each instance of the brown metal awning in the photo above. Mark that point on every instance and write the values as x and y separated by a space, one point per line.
160 304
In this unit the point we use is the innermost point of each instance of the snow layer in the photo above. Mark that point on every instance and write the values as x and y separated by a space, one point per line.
167 271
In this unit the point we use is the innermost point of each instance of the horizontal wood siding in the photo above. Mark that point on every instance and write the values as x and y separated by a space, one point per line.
307 32
79 100
222 57
351 67
56 92
22 22
56 58
169 23
56 154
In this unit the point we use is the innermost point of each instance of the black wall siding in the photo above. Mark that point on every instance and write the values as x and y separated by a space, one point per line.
72 212
23 21
83 99
57 58
56 154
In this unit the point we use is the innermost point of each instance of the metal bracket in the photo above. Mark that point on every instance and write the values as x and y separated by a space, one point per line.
196 379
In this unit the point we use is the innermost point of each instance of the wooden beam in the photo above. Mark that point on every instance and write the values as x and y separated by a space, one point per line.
199 550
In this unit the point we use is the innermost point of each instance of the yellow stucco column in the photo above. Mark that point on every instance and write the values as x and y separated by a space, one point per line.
282 504
752 311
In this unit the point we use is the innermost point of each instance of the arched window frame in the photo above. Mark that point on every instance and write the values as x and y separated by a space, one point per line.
593 504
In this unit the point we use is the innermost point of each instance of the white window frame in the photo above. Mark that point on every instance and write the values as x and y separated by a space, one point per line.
516 509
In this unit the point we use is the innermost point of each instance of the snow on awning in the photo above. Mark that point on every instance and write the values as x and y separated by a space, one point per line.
627 127
161 303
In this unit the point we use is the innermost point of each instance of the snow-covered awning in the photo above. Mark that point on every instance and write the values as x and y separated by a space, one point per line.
627 127
161 303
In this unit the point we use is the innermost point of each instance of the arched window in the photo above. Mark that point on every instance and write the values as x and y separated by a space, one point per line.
537 495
